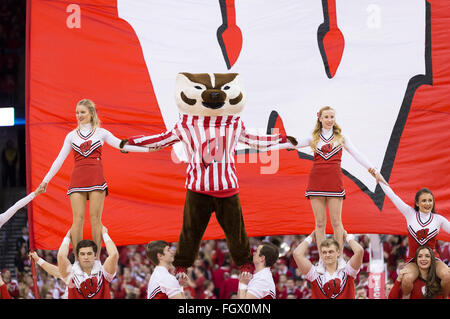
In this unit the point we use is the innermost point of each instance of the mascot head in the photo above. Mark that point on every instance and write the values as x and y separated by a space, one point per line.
207 94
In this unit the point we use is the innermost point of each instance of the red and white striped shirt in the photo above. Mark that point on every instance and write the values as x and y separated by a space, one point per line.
210 143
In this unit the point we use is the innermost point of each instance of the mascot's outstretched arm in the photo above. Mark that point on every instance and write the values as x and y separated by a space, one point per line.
267 142
154 142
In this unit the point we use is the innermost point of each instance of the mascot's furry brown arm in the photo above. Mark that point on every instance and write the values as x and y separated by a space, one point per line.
210 128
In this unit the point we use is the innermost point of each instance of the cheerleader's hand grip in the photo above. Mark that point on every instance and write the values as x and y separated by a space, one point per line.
292 139
123 142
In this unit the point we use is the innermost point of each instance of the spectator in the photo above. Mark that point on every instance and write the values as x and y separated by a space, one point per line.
4 294
199 282
218 276
290 288
281 268
361 292
22 262
209 290
12 284
9 153
230 285
23 239
282 279
388 288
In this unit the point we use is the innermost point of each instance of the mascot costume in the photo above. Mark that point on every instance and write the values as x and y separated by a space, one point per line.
209 128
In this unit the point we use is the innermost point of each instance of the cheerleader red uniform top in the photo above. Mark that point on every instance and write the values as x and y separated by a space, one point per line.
162 284
94 286
86 144
418 291
325 177
210 143
262 284
340 285
423 228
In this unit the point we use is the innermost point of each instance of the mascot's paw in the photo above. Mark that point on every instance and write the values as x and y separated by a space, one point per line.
292 139
123 142
246 268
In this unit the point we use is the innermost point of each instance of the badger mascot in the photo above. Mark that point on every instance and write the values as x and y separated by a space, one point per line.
209 127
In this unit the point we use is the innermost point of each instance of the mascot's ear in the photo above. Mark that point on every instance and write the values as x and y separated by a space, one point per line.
181 77
181 82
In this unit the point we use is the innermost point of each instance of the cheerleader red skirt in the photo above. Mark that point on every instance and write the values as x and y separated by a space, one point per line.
325 179
87 176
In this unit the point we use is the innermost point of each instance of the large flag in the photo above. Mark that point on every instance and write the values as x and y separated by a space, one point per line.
382 65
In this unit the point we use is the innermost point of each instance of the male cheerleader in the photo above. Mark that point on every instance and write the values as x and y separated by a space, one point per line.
87 278
162 284
261 285
330 279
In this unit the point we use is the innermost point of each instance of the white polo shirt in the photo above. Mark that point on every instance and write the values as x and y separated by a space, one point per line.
163 282
262 285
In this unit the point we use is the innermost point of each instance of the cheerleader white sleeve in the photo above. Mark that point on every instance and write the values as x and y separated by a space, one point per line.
110 139
445 224
13 209
303 142
65 150
404 208
357 155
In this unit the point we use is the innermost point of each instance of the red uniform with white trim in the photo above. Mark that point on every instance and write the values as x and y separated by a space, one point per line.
340 285
162 284
423 228
325 177
86 144
210 143
94 286
418 291
262 285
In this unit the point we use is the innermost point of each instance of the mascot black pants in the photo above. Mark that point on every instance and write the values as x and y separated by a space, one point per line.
197 213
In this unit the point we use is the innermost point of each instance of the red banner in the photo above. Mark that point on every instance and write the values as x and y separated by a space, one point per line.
104 50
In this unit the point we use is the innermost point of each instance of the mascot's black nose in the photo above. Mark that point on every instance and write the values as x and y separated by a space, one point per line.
214 95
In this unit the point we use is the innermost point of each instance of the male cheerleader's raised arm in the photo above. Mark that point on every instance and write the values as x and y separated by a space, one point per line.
65 150
115 142
111 262
357 155
64 265
358 251
18 205
303 263
48 267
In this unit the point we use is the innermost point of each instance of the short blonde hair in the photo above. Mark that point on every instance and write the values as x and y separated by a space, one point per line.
329 242
95 121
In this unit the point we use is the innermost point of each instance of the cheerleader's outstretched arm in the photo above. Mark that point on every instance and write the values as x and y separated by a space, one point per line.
357 155
14 208
404 208
115 142
65 150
